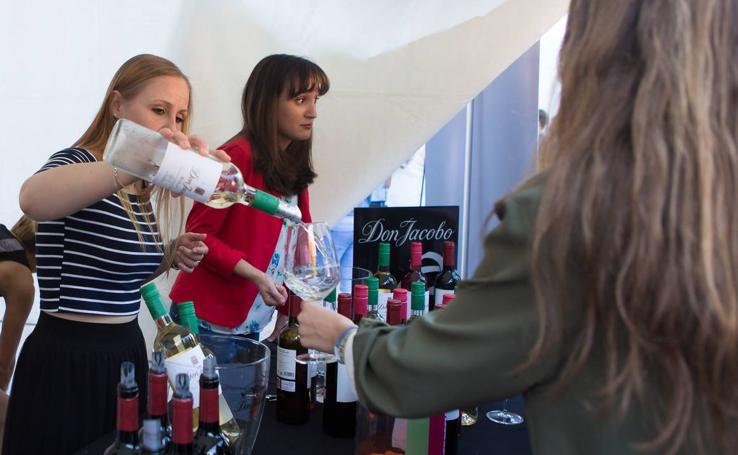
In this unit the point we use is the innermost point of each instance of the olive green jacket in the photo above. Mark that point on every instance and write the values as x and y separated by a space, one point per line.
470 352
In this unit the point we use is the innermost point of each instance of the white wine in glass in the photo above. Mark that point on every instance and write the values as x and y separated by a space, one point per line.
311 270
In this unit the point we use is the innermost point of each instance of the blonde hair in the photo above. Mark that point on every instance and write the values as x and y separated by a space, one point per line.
25 231
129 80
639 207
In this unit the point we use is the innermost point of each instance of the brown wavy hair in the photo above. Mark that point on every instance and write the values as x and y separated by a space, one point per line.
643 174
129 80
286 172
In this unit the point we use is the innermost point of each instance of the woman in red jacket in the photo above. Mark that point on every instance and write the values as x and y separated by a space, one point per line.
239 282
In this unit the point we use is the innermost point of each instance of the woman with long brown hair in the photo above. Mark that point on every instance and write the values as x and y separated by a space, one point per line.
97 242
608 295
240 282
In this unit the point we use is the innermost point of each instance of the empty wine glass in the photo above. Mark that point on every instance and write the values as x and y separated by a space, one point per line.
505 417
311 270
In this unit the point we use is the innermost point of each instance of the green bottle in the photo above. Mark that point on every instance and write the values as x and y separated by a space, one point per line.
373 293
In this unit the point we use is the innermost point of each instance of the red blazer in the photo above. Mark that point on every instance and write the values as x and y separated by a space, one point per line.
234 233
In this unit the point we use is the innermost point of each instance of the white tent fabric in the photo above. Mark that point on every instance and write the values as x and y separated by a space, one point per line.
398 70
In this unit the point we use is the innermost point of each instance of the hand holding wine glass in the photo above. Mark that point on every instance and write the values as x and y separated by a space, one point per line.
311 268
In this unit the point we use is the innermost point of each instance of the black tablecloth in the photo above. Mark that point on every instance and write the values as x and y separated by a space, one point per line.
484 438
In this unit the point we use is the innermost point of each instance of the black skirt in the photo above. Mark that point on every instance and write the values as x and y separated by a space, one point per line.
64 389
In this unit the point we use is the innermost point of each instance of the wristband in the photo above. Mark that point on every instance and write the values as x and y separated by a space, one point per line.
340 347
115 177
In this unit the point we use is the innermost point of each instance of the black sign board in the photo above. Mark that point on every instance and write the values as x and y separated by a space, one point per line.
399 226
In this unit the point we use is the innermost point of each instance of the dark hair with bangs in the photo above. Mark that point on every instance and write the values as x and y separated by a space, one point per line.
288 171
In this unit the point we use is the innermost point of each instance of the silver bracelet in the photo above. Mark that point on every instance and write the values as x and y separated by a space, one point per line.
115 177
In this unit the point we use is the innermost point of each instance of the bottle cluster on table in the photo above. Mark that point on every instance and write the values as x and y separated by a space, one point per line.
197 419
157 435
380 297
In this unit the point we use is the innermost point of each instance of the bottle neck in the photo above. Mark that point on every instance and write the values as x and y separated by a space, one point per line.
182 422
163 321
209 412
157 399
127 420
415 266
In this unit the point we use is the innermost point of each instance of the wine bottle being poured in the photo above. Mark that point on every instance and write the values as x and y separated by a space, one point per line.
148 155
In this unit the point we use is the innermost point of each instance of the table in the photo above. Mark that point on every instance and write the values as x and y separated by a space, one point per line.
275 438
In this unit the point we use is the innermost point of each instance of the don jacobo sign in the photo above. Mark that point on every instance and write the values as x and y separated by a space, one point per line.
399 226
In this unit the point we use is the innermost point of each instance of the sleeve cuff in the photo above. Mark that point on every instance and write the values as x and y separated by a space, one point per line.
348 357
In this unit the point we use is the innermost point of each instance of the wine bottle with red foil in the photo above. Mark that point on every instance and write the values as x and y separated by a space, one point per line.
181 417
151 438
394 312
447 298
126 440
293 397
339 405
400 294
418 430
156 401
377 433
372 284
449 278
228 424
415 273
361 302
209 439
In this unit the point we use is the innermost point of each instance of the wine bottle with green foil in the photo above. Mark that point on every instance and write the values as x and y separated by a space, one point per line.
372 284
417 301
181 347
387 282
418 430
126 441
148 155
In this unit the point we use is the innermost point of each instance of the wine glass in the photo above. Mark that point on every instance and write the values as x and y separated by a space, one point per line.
311 270
505 417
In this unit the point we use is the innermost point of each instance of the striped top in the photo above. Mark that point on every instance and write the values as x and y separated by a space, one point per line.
93 261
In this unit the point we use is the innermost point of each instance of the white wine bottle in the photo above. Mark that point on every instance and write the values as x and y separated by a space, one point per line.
147 155
181 347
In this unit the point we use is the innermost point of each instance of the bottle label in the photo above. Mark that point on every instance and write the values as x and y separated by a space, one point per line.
427 302
382 304
286 363
345 392
190 363
440 293
286 385
188 173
